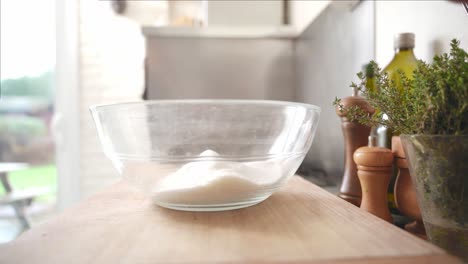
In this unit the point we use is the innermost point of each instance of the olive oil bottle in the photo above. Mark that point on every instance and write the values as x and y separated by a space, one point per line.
370 84
404 61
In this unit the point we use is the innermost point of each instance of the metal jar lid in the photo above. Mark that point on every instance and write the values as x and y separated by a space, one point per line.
404 41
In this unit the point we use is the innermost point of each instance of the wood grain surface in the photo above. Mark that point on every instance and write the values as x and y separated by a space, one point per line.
299 224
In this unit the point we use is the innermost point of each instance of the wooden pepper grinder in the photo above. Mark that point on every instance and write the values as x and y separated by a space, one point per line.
374 171
405 192
355 136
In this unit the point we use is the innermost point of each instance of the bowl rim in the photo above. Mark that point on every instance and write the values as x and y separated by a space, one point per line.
96 107
209 158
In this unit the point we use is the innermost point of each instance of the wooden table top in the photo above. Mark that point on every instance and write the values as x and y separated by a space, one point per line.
299 224
12 166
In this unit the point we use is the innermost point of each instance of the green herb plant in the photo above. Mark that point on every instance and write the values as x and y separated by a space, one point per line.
434 102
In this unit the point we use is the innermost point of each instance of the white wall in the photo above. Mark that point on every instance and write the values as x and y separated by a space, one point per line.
111 70
241 13
218 13
435 23
328 54
303 12
154 12
194 9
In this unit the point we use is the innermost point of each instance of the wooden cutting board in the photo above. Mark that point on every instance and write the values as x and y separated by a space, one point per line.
299 224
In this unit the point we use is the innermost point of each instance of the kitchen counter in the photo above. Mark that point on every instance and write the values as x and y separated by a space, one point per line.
301 223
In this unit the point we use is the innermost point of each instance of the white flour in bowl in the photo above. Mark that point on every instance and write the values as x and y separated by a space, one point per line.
216 182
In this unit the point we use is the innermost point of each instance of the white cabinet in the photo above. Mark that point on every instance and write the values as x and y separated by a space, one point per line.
245 13
209 64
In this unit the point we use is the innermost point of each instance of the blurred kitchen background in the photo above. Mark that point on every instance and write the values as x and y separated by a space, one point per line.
59 57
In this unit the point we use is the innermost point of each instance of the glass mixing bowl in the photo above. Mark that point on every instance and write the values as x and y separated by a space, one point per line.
206 155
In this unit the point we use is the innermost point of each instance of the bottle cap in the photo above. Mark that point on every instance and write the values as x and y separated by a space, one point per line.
404 41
